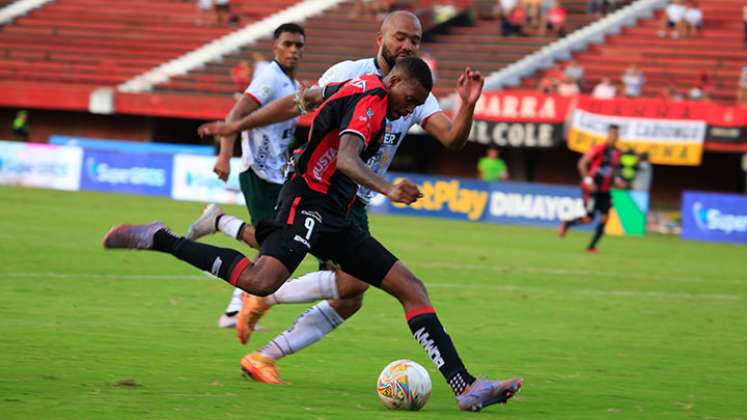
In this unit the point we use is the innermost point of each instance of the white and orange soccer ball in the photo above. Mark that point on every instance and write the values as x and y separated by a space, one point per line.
404 385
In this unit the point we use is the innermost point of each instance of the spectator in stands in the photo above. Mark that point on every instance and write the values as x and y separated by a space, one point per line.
222 11
633 79
575 71
568 87
511 16
370 8
671 93
204 9
644 174
21 126
241 74
628 166
673 19
693 19
598 8
491 167
532 10
702 87
744 18
604 90
742 88
547 85
554 20
430 60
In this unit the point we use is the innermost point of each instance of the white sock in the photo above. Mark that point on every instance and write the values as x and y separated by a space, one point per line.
236 303
308 288
230 225
309 328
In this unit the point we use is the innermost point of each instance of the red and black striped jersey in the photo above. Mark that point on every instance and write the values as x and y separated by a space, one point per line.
359 108
604 165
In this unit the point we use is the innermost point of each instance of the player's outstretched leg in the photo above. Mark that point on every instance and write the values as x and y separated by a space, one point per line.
213 219
567 224
310 327
471 394
261 278
598 232
310 287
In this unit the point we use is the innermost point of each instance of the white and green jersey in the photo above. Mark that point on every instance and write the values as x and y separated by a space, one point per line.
395 130
265 149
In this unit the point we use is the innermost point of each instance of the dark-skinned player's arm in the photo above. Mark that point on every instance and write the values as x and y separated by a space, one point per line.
453 134
243 107
350 164
306 99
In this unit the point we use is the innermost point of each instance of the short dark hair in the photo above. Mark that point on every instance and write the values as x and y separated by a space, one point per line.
289 27
614 127
417 69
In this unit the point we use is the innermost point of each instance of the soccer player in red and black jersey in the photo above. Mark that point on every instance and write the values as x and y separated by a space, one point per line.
313 215
599 169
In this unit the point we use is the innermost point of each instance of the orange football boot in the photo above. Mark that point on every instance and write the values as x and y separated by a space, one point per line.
253 308
261 368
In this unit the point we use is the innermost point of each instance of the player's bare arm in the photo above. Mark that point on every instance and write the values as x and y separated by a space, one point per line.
242 107
350 163
306 99
454 134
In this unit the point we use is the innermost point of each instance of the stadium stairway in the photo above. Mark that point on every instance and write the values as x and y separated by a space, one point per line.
669 62
333 37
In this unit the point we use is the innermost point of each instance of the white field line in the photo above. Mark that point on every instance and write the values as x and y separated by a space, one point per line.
435 285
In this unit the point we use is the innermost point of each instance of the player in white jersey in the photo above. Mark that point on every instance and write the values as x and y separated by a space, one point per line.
400 37
264 150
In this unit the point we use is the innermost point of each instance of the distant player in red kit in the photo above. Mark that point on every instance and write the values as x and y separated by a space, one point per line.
599 169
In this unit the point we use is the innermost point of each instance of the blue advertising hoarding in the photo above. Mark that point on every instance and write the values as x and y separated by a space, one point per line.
714 217
131 146
133 173
494 202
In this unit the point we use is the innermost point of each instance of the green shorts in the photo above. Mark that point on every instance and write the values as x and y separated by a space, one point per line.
359 216
260 195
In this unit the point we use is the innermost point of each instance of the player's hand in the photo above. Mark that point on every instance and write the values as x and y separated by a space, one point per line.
469 86
222 168
404 191
217 128
310 99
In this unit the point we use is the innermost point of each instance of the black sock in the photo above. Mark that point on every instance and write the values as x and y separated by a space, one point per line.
222 262
429 332
598 232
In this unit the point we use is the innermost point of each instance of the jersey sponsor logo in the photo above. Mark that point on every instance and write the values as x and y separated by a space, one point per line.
360 84
312 214
391 139
713 219
216 266
430 347
323 163
298 238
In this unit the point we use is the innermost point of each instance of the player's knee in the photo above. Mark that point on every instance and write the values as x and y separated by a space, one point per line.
348 306
348 286
259 285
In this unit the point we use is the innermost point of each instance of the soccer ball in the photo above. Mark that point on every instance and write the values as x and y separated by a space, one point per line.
404 385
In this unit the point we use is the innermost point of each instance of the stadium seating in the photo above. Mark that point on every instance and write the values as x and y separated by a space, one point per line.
105 42
668 62
333 37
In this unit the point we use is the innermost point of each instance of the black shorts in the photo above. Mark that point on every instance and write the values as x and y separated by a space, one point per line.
597 202
305 223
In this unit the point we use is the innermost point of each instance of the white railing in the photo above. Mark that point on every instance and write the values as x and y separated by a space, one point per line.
225 45
19 8
561 49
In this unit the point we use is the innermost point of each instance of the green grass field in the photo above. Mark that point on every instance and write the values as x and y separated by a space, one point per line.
652 327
